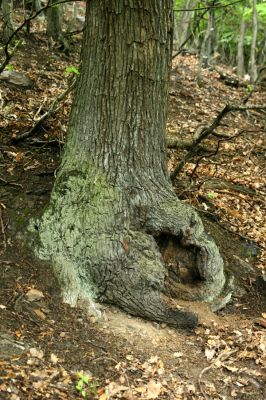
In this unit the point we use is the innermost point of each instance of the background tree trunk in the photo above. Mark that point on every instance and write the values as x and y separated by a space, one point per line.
182 22
72 23
36 6
261 58
7 9
240 48
54 24
252 59
208 44
112 209
212 23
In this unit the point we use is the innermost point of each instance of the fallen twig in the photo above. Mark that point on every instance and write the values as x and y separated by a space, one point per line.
215 151
209 130
48 113
7 183
218 361
175 143
2 207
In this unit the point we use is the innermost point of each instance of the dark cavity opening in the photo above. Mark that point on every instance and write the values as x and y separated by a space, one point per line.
181 266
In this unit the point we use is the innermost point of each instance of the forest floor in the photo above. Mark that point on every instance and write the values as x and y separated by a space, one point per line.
48 348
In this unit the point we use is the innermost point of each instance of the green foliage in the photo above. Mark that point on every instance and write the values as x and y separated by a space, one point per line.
86 386
250 88
72 71
211 195
228 37
261 10
227 25
9 67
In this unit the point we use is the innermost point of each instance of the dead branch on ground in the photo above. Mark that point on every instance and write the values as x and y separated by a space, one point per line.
206 132
175 143
52 110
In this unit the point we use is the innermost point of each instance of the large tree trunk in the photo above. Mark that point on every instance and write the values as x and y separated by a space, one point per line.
112 208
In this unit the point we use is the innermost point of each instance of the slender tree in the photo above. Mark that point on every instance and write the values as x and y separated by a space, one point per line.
240 48
36 5
54 24
183 20
7 9
209 41
252 60
112 207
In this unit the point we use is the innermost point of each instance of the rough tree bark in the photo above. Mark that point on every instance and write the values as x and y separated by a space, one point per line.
112 208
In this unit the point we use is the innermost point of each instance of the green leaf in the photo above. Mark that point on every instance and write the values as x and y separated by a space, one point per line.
72 70
211 195
9 67
250 88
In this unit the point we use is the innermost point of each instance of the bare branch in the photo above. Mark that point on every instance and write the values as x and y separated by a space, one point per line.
209 130
48 113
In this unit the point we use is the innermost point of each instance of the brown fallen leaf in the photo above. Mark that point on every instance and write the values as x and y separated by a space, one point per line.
153 389
34 295
209 353
113 388
40 314
36 353
261 322
54 359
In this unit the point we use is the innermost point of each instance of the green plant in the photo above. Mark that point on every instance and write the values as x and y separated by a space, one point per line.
211 195
9 67
86 385
250 88
72 70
